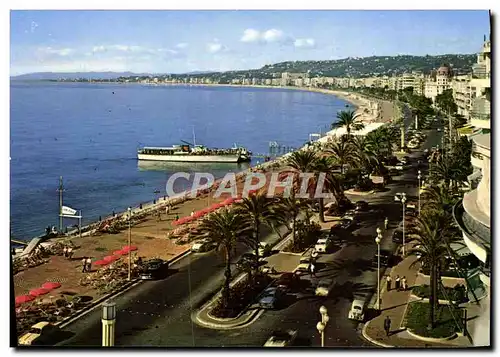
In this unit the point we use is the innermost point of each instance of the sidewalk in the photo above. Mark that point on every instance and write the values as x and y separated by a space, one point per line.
394 304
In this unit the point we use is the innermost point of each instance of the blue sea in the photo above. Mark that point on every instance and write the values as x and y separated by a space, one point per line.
89 134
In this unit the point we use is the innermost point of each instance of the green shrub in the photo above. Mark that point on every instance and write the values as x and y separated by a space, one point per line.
417 320
456 293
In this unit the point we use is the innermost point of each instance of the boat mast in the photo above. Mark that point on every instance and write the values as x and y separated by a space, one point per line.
60 189
194 137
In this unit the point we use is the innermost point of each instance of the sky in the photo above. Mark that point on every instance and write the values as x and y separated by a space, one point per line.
174 41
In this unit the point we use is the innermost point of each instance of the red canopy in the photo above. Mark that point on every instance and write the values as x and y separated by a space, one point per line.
39 291
24 299
51 285
198 214
110 258
101 262
119 252
129 247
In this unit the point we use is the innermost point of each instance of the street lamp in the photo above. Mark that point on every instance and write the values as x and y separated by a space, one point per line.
322 324
108 320
378 238
403 201
129 210
419 189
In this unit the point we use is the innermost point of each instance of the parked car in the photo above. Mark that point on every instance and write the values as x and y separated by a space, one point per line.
323 245
304 264
40 333
324 287
397 236
288 282
362 206
204 245
281 339
400 166
247 259
397 197
154 269
269 298
346 224
357 311
264 249
350 215
385 258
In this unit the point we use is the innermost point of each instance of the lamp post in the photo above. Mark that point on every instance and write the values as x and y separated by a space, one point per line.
403 201
322 324
108 320
419 189
129 210
378 238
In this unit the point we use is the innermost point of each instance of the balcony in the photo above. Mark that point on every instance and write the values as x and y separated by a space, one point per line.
477 236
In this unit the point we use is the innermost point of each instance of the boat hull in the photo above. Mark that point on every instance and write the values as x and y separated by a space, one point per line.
194 158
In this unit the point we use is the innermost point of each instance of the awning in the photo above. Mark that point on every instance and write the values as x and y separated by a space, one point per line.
460 249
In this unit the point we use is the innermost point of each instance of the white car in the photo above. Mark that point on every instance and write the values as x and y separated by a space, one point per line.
400 166
40 333
304 264
357 311
281 339
324 287
322 245
204 245
439 129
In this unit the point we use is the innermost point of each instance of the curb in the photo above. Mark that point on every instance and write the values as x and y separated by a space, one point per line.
372 340
128 286
240 324
431 339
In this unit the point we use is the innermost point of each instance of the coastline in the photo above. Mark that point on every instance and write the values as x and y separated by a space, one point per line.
364 107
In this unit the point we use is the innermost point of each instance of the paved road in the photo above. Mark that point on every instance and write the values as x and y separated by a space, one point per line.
159 313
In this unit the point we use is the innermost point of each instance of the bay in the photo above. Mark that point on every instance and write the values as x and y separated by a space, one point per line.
89 134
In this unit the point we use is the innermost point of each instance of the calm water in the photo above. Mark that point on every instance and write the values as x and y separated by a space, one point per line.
89 135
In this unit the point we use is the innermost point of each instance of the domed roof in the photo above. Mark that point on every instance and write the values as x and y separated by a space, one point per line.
444 70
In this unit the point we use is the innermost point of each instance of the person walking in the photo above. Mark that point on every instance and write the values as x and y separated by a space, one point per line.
84 264
312 268
167 209
192 213
89 264
65 252
70 253
387 326
177 217
398 283
404 284
386 223
389 281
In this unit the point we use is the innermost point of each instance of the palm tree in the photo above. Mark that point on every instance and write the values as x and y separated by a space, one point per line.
257 210
341 150
324 166
434 231
439 198
225 228
291 208
348 119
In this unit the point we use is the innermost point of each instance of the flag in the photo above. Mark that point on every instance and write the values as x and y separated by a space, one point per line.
68 211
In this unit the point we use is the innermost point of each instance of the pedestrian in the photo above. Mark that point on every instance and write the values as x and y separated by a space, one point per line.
84 265
140 206
99 218
192 213
167 209
70 253
404 284
312 267
89 264
387 326
176 217
65 252
386 223
398 283
389 281
113 214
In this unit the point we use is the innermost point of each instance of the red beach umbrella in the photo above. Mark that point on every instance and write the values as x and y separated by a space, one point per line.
198 214
118 252
39 291
24 299
110 258
51 285
101 262
129 247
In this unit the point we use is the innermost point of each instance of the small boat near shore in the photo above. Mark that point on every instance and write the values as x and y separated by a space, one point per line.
194 153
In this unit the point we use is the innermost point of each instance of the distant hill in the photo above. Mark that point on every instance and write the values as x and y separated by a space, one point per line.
375 65
38 76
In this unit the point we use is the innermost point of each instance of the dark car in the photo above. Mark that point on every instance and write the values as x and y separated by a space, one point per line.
288 282
385 258
247 259
154 269
397 236
362 206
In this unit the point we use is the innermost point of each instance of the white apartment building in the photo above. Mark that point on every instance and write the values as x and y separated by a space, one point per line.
438 82
480 111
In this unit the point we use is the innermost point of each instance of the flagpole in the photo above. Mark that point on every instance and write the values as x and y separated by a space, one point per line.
60 203
80 224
